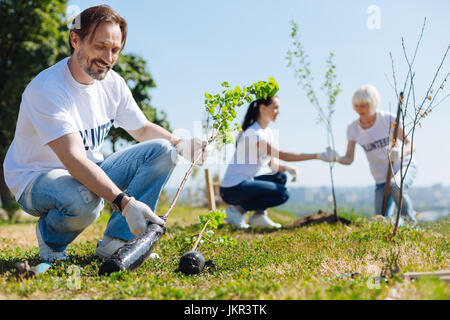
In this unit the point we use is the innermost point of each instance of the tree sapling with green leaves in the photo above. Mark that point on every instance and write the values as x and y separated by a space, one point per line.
297 59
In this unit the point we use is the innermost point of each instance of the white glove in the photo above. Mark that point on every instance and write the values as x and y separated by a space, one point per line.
190 149
396 154
328 156
293 171
137 213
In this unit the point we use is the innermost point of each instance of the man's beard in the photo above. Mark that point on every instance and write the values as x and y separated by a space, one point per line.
88 67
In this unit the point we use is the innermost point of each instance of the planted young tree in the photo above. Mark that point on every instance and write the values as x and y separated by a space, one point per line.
221 108
414 109
298 60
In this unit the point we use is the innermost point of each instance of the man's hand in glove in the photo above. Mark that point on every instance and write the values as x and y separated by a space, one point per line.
328 156
190 149
137 213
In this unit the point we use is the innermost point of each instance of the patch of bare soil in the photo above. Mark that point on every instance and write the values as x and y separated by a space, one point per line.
316 218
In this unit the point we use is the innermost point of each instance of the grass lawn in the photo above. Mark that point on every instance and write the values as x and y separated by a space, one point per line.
302 263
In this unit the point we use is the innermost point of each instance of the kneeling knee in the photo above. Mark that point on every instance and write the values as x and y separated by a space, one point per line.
284 195
85 213
283 178
167 152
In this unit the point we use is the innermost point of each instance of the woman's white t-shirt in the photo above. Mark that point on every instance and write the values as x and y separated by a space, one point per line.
375 142
248 159
54 104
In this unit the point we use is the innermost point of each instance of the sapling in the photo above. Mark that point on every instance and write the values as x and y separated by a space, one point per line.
222 110
413 112
298 60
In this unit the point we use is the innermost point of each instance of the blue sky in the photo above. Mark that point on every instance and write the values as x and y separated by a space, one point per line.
193 46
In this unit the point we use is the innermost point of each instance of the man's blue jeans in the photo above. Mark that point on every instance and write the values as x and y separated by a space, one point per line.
263 192
66 207
394 196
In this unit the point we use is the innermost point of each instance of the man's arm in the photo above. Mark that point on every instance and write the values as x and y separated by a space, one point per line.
188 148
70 150
153 131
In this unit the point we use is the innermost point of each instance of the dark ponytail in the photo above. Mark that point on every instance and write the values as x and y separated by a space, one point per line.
253 113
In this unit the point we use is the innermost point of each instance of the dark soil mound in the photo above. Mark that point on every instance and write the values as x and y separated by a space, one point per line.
316 218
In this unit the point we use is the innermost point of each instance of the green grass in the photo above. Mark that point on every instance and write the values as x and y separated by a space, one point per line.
302 263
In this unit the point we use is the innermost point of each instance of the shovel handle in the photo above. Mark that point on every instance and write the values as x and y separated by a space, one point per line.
387 186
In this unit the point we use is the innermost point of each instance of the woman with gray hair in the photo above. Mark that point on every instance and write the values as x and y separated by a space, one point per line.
373 131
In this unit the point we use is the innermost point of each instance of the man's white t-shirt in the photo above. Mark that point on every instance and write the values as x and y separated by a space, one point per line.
248 159
376 142
54 104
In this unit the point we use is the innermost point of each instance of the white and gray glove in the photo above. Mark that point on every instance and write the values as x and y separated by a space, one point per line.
190 149
396 154
328 156
293 171
137 213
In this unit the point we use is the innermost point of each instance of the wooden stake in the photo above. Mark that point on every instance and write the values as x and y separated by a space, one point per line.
443 275
387 186
210 190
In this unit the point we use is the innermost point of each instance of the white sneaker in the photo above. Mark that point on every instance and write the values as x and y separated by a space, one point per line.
45 252
262 220
235 218
107 246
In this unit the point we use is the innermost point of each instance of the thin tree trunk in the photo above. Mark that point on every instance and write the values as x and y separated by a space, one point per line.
334 194
5 194
399 212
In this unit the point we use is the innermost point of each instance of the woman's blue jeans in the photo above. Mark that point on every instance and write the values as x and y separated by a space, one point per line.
263 192
66 207
394 196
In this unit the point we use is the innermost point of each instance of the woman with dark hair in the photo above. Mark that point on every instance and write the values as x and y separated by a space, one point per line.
255 148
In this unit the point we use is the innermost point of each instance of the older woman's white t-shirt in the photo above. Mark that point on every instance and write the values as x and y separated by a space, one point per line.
375 142
54 104
248 159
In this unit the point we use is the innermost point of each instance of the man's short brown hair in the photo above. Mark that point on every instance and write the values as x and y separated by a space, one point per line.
86 23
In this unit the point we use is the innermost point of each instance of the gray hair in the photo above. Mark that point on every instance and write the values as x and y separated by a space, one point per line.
368 94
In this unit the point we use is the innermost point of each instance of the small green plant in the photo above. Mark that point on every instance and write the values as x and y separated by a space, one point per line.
209 222
298 60
221 108
221 111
